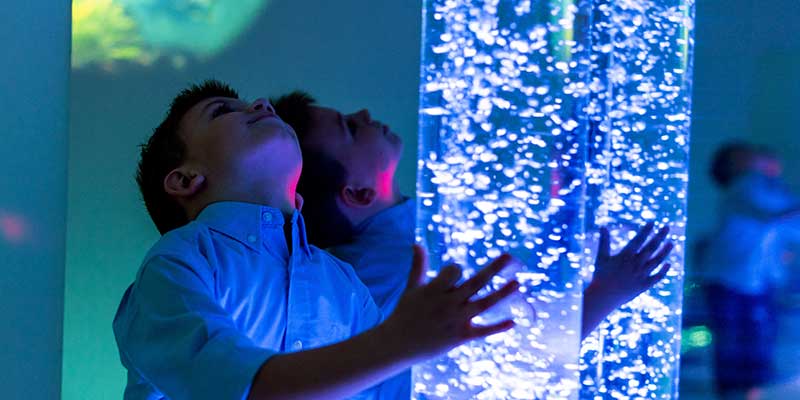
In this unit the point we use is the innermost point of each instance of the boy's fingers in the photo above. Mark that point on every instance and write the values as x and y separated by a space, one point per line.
480 279
636 243
479 331
478 306
419 265
654 242
659 257
447 278
659 276
604 246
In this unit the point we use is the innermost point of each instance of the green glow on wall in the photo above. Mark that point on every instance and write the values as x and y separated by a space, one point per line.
106 32
695 337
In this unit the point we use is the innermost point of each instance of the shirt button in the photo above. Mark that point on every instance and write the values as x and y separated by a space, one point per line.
297 345
267 217
252 238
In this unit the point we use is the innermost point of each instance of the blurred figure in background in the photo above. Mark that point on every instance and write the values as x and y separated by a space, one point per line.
742 264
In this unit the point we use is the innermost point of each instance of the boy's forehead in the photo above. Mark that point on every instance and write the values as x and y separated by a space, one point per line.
325 122
323 114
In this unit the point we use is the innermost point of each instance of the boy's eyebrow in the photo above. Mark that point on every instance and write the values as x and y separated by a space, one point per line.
205 107
217 101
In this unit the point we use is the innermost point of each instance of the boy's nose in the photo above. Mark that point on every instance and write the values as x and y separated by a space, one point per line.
261 104
364 115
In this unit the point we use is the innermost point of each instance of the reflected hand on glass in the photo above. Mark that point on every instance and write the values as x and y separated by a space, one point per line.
635 268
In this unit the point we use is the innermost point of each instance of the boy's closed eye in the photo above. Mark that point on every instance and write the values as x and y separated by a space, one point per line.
221 109
351 126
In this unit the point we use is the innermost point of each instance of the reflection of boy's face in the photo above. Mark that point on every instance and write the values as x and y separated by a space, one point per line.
239 146
368 149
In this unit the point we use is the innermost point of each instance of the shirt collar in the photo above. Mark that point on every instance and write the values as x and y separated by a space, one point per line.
254 225
398 218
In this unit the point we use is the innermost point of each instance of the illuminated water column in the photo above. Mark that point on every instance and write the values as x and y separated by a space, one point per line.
522 102
638 152
502 159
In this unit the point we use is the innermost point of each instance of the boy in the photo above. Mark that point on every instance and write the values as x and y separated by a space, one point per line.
355 209
743 265
233 285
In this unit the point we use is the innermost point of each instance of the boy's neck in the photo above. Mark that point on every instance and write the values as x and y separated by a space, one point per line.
286 200
379 206
276 193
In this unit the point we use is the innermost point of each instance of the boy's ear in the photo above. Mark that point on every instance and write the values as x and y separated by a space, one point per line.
183 183
358 197
298 201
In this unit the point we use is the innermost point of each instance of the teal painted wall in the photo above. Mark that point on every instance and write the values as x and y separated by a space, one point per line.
33 185
746 86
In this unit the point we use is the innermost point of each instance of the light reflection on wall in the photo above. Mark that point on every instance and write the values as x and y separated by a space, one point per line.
14 227
106 32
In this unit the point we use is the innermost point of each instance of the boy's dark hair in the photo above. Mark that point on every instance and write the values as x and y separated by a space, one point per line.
731 160
322 177
165 151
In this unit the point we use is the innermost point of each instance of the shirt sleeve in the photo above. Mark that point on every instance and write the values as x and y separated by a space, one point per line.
176 336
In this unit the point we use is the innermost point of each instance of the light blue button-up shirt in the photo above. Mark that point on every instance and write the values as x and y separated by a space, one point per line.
381 256
215 299
381 253
744 253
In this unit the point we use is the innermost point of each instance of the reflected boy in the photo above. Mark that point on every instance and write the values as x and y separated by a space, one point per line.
355 209
233 302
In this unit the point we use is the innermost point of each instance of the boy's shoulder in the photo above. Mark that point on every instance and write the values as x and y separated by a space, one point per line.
321 256
185 240
201 235
324 256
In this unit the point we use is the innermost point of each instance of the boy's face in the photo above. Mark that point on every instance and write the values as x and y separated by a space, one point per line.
368 149
766 165
239 146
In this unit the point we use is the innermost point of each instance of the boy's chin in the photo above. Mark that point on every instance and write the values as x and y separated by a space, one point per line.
288 131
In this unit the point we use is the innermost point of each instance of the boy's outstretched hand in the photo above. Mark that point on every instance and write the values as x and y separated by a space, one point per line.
430 319
433 318
623 276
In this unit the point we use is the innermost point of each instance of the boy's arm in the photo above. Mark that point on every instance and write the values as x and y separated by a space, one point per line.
620 278
430 319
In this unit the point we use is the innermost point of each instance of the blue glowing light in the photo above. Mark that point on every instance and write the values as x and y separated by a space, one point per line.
639 113
502 159
540 121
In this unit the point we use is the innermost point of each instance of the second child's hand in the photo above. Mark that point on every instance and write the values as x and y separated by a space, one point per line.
619 278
